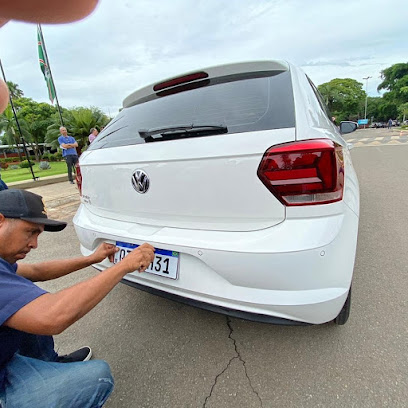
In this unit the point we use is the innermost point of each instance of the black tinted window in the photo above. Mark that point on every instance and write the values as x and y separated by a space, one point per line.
240 104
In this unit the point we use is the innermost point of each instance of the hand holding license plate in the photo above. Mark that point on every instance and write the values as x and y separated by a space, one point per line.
165 262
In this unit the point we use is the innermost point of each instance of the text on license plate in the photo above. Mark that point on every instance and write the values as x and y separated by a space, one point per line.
165 262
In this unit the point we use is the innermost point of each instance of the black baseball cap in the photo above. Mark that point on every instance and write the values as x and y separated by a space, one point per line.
27 206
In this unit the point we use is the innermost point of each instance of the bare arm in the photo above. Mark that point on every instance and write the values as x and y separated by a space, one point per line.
52 313
69 145
55 269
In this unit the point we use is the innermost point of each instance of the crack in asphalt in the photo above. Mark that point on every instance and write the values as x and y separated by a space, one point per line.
216 378
239 357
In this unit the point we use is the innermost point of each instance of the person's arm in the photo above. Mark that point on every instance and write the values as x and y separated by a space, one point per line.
74 143
48 270
51 314
68 145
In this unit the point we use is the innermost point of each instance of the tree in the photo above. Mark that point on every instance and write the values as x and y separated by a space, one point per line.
78 122
394 78
373 107
345 97
9 126
403 110
38 118
395 81
14 90
381 108
388 108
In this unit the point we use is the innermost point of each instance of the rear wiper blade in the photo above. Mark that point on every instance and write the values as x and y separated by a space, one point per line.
181 131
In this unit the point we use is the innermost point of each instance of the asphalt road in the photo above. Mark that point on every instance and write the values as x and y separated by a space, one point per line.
164 354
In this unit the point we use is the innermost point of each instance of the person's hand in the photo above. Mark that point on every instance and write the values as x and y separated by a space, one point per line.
103 251
4 96
45 11
139 259
42 11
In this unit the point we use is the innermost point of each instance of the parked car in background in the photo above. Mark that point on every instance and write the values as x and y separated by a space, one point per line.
377 125
242 183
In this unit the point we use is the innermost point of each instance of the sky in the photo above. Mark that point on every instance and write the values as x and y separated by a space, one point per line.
125 45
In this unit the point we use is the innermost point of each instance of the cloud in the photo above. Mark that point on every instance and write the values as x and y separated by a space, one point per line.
126 45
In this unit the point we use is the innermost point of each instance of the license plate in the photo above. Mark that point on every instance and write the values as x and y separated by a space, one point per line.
165 262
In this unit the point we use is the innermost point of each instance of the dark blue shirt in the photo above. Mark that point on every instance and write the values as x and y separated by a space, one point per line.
15 292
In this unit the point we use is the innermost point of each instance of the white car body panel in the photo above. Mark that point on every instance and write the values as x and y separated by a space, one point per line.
240 247
212 204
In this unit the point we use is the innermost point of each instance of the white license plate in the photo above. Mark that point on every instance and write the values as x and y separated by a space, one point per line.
165 262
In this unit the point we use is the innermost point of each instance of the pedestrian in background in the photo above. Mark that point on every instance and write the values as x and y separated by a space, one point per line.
68 145
389 123
92 136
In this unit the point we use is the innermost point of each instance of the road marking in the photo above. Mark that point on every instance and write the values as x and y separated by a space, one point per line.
382 141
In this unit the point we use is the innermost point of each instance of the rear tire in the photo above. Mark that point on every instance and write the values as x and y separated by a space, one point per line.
344 314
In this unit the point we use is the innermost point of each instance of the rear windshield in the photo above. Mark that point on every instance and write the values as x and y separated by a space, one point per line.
239 103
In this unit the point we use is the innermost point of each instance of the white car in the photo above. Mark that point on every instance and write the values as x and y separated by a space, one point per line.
239 179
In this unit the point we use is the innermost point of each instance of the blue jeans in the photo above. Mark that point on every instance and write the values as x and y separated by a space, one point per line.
35 379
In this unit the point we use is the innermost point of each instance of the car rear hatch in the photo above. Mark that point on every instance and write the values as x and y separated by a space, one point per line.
186 154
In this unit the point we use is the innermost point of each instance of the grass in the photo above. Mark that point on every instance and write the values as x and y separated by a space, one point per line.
10 176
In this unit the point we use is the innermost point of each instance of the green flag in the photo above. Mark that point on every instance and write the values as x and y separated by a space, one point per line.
45 67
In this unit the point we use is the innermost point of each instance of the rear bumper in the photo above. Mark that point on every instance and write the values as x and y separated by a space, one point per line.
299 270
255 317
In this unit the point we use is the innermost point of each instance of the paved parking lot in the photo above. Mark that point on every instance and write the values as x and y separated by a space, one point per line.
378 137
165 354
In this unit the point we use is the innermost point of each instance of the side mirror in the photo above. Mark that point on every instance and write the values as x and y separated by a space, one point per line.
347 127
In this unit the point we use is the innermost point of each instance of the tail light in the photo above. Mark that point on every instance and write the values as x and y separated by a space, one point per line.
180 80
304 173
78 178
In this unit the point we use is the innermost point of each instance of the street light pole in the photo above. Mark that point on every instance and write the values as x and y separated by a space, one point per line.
365 110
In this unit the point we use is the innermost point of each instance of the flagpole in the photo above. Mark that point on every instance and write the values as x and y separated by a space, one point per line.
18 125
49 67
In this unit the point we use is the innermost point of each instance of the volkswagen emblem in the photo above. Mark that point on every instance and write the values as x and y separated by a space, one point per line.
140 181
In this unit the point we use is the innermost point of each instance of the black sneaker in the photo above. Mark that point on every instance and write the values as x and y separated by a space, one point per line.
83 354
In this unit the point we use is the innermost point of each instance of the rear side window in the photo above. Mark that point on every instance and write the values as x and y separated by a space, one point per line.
239 103
319 97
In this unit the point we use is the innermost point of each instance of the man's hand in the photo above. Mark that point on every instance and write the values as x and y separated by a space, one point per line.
139 259
103 251
50 314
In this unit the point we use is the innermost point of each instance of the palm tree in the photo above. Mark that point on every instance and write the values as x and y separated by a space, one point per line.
78 122
9 126
14 90
330 94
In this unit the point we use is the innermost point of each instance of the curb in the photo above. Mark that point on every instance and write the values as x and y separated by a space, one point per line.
26 184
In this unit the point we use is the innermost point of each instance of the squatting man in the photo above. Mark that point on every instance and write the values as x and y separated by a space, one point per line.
29 316
31 372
